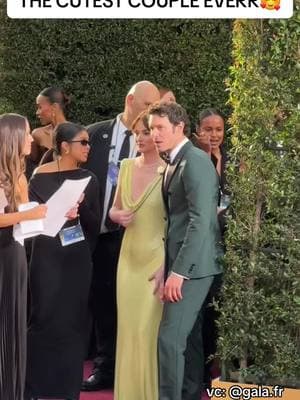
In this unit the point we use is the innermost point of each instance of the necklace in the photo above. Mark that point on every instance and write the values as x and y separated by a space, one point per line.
64 168
141 164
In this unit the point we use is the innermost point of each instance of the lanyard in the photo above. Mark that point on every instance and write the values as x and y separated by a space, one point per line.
117 137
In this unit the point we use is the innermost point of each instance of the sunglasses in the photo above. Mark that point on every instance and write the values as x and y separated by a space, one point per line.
83 142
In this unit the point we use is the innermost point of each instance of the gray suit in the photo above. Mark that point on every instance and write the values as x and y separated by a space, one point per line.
192 250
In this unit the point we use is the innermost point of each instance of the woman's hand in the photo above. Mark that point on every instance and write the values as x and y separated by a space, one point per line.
38 212
158 278
173 288
121 217
203 141
73 212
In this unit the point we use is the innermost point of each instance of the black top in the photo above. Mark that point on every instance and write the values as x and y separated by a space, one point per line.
43 185
223 187
60 278
224 161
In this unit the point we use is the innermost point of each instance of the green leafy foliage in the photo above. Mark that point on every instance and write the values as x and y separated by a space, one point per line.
260 312
97 61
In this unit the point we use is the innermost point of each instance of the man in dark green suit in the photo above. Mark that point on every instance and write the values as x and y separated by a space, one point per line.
190 191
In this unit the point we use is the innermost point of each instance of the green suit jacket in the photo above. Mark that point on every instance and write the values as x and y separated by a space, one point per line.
190 191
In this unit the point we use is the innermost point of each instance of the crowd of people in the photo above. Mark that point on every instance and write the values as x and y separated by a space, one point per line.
132 290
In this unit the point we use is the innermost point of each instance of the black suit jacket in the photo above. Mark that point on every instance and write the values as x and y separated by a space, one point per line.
223 188
100 139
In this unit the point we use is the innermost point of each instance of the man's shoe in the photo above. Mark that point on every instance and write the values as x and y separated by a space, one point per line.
97 381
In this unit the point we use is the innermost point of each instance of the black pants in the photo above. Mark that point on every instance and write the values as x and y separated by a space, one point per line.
209 327
103 300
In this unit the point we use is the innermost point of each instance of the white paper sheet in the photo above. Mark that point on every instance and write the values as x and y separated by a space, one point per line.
32 225
19 236
61 202
58 205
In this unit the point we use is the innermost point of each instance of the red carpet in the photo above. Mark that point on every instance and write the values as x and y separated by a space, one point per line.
104 394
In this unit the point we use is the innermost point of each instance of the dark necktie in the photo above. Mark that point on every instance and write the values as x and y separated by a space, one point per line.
165 156
125 149
124 153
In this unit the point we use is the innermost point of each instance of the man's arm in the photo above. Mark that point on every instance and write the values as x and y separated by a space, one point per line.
201 190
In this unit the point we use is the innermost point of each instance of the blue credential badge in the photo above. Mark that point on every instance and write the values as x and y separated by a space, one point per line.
71 235
113 173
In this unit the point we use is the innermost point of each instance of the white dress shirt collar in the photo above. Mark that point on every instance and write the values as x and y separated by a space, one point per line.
121 127
175 151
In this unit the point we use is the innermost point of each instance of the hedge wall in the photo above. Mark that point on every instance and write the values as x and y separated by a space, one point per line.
260 312
98 60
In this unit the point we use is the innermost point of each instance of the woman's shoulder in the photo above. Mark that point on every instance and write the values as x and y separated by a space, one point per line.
127 161
41 131
85 173
45 168
93 184
127 164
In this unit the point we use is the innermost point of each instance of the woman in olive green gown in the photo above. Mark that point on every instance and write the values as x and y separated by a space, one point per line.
138 206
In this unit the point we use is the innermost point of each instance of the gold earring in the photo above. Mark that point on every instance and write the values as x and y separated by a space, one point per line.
67 152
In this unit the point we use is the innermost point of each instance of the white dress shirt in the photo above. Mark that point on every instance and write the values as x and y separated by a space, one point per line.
117 139
175 151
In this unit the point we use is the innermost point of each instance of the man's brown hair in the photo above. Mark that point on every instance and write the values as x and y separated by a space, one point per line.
175 113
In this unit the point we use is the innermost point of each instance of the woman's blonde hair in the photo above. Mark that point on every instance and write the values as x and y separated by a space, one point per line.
143 116
12 159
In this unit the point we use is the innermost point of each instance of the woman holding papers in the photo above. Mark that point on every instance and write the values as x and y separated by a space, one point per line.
139 208
60 274
15 144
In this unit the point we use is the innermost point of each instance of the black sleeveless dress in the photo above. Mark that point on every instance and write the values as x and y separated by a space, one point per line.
13 296
60 279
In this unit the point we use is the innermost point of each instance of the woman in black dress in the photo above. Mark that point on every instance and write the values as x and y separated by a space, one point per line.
15 144
210 138
60 277
52 105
